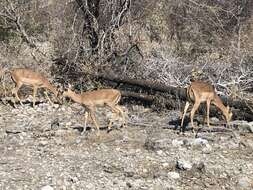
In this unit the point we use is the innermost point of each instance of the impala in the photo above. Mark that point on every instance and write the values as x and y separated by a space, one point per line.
97 98
199 92
31 78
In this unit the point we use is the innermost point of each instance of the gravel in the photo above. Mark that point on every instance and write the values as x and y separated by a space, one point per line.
42 148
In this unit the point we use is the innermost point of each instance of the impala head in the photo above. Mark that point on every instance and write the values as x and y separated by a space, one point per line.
63 92
228 115
67 92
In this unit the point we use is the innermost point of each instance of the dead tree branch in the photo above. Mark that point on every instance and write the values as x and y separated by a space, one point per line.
10 15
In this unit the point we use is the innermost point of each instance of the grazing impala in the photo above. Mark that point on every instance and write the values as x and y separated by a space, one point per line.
31 78
199 92
96 98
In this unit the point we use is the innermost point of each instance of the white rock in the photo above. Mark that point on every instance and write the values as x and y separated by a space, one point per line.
47 187
200 141
69 123
173 175
160 152
56 105
138 150
176 142
184 165
78 141
244 183
207 149
74 179
243 125
214 119
43 143
145 170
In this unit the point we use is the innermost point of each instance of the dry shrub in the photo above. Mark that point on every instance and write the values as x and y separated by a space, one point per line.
166 41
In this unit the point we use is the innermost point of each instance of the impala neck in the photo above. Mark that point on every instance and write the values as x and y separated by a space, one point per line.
217 102
50 87
76 97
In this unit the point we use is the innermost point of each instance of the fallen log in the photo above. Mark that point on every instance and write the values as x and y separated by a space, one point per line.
151 99
175 91
242 108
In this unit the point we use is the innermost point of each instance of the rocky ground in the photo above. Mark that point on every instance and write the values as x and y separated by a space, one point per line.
41 148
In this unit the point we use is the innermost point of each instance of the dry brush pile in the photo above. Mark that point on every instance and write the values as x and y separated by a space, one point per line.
168 42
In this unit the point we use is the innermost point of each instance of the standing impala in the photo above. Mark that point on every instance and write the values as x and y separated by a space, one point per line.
93 99
199 92
31 78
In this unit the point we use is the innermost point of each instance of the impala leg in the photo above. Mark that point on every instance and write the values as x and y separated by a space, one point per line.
118 111
93 118
208 102
59 99
187 104
122 115
35 88
195 107
15 91
114 111
85 121
46 93
115 114
111 121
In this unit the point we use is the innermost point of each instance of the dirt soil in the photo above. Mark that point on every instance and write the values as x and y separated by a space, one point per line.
42 148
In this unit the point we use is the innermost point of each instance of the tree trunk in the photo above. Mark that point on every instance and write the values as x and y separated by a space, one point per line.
90 12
